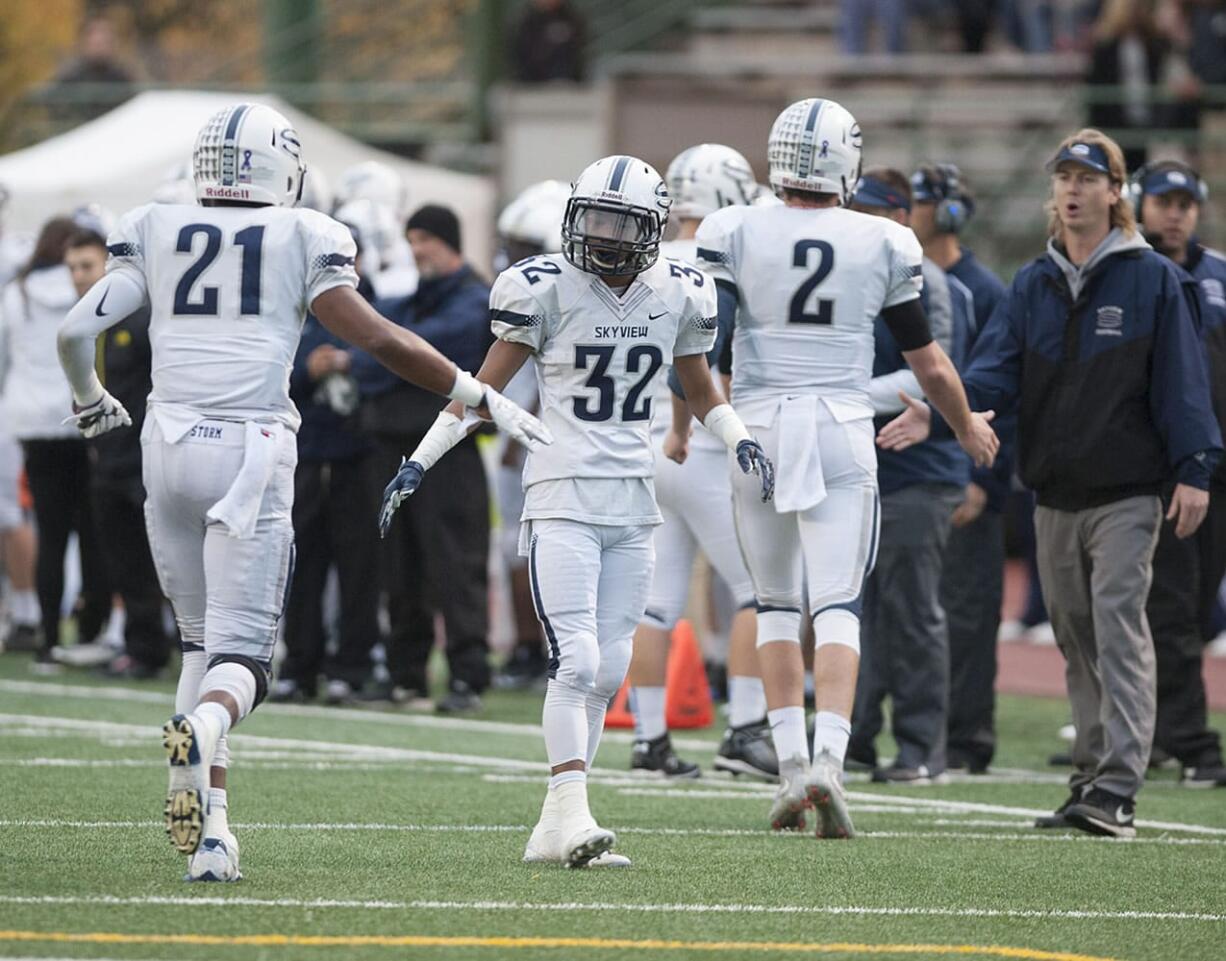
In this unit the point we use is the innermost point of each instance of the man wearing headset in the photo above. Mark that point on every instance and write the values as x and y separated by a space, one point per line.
972 580
1168 197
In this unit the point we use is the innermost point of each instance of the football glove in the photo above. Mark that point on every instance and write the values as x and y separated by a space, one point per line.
753 460
104 414
406 481
515 421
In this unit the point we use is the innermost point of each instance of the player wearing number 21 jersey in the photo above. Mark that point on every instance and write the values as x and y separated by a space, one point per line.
600 323
228 283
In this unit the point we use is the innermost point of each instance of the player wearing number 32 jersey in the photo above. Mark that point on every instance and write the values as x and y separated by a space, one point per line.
228 283
600 324
805 282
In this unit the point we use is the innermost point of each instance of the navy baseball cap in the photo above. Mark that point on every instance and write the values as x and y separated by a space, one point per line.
871 192
1158 182
1087 154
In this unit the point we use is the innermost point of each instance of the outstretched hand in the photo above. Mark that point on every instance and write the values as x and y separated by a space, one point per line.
401 488
910 427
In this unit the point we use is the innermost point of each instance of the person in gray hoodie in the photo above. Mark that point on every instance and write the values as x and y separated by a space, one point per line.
35 400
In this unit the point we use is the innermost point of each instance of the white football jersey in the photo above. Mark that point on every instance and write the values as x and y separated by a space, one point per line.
228 289
598 357
810 284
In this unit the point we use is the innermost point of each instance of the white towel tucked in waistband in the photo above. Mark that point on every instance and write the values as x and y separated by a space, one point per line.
239 509
799 483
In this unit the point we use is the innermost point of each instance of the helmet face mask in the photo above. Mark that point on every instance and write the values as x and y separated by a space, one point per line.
615 218
248 153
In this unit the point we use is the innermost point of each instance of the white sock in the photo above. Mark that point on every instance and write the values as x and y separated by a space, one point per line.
23 606
567 777
746 700
830 733
221 753
571 796
788 731
215 719
647 703
596 706
215 821
564 719
191 672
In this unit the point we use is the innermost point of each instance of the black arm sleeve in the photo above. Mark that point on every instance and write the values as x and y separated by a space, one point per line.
908 324
721 353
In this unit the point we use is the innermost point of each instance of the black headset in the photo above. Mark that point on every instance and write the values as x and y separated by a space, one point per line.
1196 185
955 207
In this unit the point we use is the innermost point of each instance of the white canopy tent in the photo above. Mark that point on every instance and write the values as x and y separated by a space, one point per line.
119 158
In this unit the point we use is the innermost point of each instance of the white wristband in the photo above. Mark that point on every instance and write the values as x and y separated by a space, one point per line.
446 431
723 422
467 389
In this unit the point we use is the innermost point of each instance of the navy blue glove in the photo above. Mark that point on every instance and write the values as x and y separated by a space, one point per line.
406 481
753 460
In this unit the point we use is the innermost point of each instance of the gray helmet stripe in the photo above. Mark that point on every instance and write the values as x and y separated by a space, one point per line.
804 165
229 151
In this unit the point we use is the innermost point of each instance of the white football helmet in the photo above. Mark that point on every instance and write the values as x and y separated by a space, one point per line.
178 186
534 217
615 217
707 177
316 193
250 153
376 229
815 145
375 181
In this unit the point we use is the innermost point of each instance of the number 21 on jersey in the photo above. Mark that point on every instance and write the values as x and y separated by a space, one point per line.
250 239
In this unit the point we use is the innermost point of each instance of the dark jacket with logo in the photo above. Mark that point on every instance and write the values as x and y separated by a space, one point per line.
452 313
1105 367
126 361
1208 269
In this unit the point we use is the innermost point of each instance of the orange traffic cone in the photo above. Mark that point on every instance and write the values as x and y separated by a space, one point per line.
688 697
619 714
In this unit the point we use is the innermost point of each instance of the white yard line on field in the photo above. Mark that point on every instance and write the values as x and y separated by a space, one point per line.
604 906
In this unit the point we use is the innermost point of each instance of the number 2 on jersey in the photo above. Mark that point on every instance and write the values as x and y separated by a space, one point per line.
251 239
825 308
600 381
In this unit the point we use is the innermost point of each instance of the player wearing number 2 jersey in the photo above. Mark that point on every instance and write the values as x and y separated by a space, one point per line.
600 323
805 281
228 284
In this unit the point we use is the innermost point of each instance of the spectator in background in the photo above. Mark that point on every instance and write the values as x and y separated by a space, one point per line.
125 359
335 521
1126 68
549 43
857 16
904 638
435 558
1188 571
36 398
1096 346
94 81
972 582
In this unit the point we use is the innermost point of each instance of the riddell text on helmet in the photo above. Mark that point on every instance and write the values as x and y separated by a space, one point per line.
227 193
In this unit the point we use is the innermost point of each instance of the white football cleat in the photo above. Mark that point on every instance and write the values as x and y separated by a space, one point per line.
824 788
585 845
548 845
791 800
215 860
188 788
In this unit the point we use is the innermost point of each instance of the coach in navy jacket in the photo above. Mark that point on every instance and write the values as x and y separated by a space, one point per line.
1097 346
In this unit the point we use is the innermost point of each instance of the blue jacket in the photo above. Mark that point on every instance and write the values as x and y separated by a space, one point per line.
939 460
451 313
1208 269
1105 367
324 435
988 291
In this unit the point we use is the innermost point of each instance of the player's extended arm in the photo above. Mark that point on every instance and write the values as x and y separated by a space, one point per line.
940 382
720 419
116 296
501 363
345 313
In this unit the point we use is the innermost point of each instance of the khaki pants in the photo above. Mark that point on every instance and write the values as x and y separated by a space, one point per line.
1095 566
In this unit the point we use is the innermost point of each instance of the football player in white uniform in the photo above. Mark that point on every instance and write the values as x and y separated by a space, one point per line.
695 497
810 277
600 323
228 283
529 225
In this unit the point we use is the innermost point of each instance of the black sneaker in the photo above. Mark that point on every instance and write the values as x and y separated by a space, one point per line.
658 756
958 761
285 690
1058 818
523 669
748 750
23 637
909 776
1207 775
461 699
1103 813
